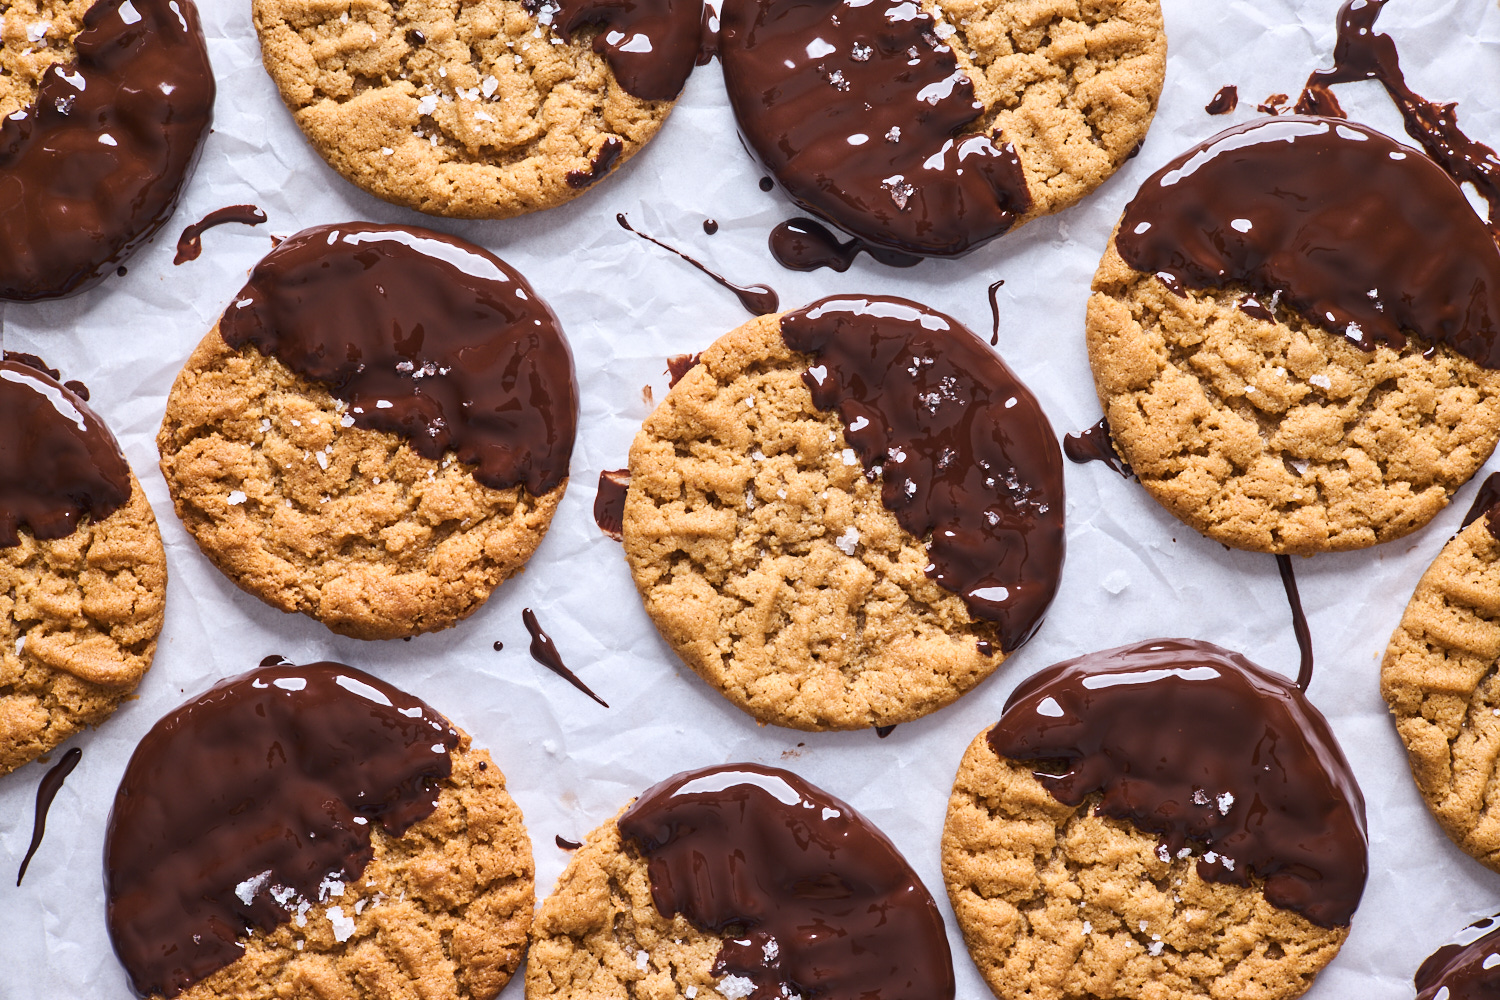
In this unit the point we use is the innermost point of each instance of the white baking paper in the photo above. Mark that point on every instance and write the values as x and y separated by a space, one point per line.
1132 572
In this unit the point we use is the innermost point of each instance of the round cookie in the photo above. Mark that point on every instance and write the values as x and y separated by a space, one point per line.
1268 399
393 868
82 583
651 905
969 117
488 109
1131 842
390 494
855 556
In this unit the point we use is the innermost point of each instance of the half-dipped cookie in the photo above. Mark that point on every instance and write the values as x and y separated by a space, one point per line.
846 515
314 831
377 432
739 881
83 576
1164 820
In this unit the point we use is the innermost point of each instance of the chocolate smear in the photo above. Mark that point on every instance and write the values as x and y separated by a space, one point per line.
424 336
1299 622
1225 101
758 299
609 152
811 899
859 111
965 454
651 45
1095 444
51 784
1485 502
190 243
1466 969
58 462
254 800
565 844
609 502
1361 235
1215 755
1274 105
95 166
679 365
994 289
806 245
544 651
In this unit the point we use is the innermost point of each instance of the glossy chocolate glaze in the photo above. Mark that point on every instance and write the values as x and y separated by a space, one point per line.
544 651
651 45
424 336
806 245
1299 621
1212 753
58 462
1225 101
51 784
253 799
1361 54
1466 969
1363 236
609 502
1095 445
190 243
859 112
810 898
95 166
758 299
966 456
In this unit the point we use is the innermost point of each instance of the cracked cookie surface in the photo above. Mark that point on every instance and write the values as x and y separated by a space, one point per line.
79 619
767 560
1056 903
310 514
470 110
35 35
1276 435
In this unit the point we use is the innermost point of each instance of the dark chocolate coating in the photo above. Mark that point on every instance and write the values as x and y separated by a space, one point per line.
1363 236
1467 969
858 111
237 806
652 45
1200 746
58 462
95 166
807 245
609 502
424 336
966 455
812 898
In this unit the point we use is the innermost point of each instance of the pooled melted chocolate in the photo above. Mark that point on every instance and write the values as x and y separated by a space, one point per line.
1361 235
652 45
544 651
424 336
1467 969
859 110
58 462
253 799
811 898
190 243
1212 753
967 459
94 167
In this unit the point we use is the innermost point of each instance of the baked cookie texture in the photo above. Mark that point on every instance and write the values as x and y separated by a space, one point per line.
1056 903
79 619
1278 436
24 58
310 514
470 110
441 912
1071 84
599 934
768 561
1439 679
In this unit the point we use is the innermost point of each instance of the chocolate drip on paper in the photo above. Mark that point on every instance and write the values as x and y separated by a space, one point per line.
884 731
708 37
806 245
1095 445
544 651
608 153
758 299
1363 236
51 784
609 502
966 456
810 897
74 386
994 289
1467 969
564 844
1361 54
1212 753
860 112
251 800
190 243
58 462
424 336
651 45
1299 622
1485 502
710 226
95 166
679 365
1225 101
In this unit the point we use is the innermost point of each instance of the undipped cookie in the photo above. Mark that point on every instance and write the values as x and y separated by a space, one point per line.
847 515
377 433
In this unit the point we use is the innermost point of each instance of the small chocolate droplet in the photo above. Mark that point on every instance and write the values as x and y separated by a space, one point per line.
710 226
766 184
499 645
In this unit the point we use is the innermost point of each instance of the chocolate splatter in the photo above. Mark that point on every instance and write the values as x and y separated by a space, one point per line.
679 365
767 184
498 645
995 312
806 245
190 243
758 299
1225 101
710 226
1095 445
51 784
609 502
1273 105
565 844
544 651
